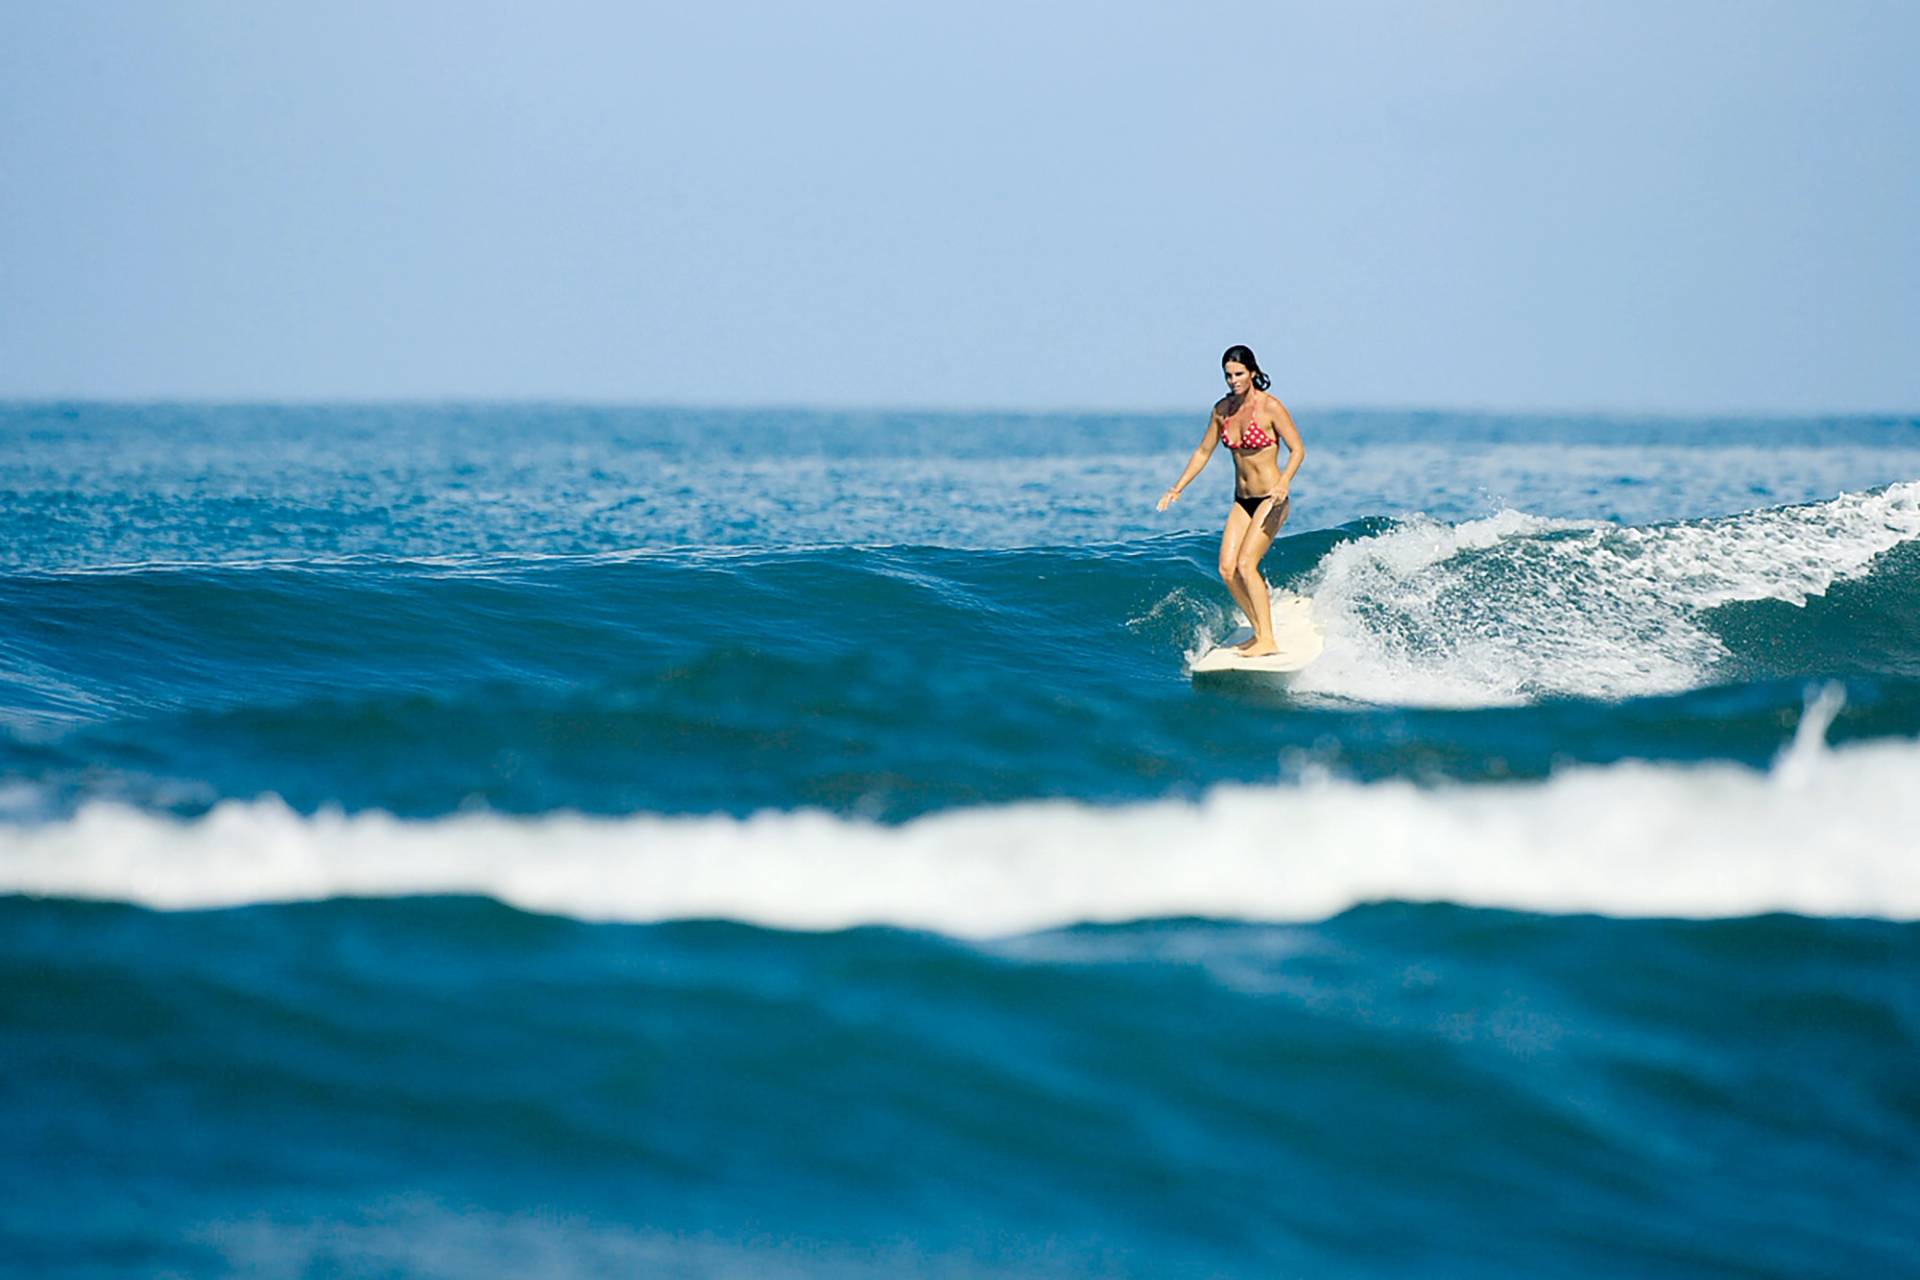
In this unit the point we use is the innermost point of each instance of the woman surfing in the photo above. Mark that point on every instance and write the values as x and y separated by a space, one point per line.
1253 425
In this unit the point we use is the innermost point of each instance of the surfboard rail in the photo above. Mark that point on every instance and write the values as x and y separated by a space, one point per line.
1294 631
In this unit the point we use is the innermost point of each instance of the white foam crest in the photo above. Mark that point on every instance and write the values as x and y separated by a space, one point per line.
1514 607
1823 833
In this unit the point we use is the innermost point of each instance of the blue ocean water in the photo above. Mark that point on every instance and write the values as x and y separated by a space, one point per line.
455 840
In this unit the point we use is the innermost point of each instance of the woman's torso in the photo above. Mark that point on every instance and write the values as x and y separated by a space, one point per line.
1256 457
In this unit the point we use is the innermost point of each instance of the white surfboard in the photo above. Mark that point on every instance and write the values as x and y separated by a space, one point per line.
1294 630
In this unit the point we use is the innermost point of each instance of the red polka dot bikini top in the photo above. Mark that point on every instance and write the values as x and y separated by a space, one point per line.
1253 436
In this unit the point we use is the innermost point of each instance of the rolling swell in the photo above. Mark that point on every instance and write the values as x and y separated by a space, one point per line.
1153 1097
897 681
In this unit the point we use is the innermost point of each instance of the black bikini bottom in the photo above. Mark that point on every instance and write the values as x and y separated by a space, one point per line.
1251 505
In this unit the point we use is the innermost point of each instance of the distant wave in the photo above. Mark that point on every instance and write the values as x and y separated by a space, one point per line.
1824 832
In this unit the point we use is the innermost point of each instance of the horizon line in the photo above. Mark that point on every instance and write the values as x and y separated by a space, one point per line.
1081 409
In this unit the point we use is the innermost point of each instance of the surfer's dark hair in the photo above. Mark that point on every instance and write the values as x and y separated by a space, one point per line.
1244 356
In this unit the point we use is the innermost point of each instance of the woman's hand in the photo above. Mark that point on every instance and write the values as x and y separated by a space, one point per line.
1272 512
1167 499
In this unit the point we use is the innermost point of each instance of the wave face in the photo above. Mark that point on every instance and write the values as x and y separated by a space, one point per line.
894 682
545 840
1516 607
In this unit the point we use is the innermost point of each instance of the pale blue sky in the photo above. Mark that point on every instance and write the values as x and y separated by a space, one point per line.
1639 206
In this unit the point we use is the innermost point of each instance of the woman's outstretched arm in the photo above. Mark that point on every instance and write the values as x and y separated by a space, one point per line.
1195 463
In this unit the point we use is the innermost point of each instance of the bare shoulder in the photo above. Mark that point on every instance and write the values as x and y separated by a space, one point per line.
1271 403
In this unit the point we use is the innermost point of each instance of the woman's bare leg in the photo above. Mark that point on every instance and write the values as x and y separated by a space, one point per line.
1238 522
1253 549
